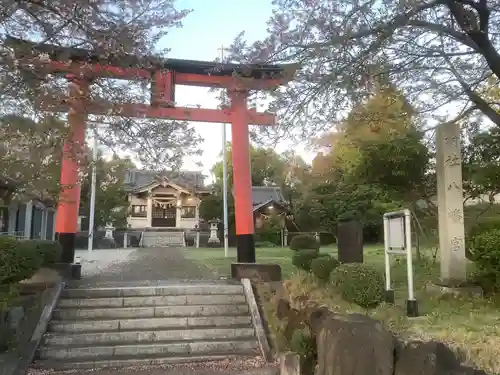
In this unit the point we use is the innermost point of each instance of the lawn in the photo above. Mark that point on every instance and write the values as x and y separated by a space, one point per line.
469 324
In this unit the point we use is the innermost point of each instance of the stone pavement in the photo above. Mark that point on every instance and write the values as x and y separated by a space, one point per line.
145 264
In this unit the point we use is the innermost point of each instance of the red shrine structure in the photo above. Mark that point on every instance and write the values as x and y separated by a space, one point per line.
81 67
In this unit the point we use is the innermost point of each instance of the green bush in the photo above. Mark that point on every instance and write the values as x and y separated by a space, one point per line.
28 259
50 251
19 260
302 259
485 248
304 242
483 225
359 283
304 344
323 266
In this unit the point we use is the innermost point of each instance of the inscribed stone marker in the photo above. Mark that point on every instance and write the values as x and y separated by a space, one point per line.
450 204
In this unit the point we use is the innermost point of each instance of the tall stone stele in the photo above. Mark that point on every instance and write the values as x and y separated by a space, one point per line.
450 204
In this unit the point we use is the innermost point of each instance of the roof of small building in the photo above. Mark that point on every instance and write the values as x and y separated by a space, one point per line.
266 194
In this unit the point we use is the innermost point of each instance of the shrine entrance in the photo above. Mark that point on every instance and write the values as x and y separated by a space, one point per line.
164 217
81 67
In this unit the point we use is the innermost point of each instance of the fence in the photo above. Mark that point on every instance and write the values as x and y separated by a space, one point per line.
17 235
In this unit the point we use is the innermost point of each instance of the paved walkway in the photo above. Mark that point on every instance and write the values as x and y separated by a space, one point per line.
142 265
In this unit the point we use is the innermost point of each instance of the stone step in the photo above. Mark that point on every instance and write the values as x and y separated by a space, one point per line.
215 299
147 291
159 349
136 361
147 336
163 239
149 312
147 324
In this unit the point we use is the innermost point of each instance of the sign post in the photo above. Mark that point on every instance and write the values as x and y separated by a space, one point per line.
397 241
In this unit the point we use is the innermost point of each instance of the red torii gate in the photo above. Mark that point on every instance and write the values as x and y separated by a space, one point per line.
81 66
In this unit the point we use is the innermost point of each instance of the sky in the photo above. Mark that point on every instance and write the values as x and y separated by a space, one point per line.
212 24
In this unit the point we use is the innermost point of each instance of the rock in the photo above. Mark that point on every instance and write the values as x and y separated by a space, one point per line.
14 317
427 358
352 345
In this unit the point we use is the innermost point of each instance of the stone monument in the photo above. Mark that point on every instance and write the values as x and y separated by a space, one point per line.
450 204
213 240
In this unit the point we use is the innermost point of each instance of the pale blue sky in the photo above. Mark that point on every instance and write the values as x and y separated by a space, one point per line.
211 24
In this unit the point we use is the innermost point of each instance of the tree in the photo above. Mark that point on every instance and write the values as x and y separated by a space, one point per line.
30 153
111 203
481 165
108 28
267 167
438 52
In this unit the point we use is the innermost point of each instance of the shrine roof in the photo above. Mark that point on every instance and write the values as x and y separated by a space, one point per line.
137 178
58 53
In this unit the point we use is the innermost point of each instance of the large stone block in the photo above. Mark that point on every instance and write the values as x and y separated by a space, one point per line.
429 358
256 272
352 345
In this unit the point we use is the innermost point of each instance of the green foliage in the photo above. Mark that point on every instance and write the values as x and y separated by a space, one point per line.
19 260
264 244
302 258
484 225
323 266
111 198
304 242
359 283
50 251
304 344
485 248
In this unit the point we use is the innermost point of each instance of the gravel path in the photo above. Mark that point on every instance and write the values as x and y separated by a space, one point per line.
142 264
251 366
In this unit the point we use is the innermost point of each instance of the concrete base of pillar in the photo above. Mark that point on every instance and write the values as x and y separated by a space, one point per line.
67 241
245 247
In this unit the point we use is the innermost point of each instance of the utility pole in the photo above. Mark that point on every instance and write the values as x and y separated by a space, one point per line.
224 170
92 194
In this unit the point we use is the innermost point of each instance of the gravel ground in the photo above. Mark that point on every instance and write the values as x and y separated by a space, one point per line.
253 366
99 261
141 264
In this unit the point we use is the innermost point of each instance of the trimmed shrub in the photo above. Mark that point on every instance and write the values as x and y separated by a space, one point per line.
302 259
19 260
28 259
485 248
304 242
7 242
323 266
50 251
359 283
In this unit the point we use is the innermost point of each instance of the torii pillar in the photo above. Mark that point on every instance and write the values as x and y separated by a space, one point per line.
69 199
242 177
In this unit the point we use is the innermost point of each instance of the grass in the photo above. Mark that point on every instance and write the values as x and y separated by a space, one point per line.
470 325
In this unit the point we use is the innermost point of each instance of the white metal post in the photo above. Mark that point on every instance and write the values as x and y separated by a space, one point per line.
92 195
386 255
409 256
224 173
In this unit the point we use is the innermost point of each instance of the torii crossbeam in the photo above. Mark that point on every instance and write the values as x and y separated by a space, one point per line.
81 67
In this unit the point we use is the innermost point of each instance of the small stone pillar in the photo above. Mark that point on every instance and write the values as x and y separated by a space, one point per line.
450 204
213 240
285 234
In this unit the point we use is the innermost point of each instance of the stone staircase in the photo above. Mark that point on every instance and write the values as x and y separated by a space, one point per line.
152 238
128 326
